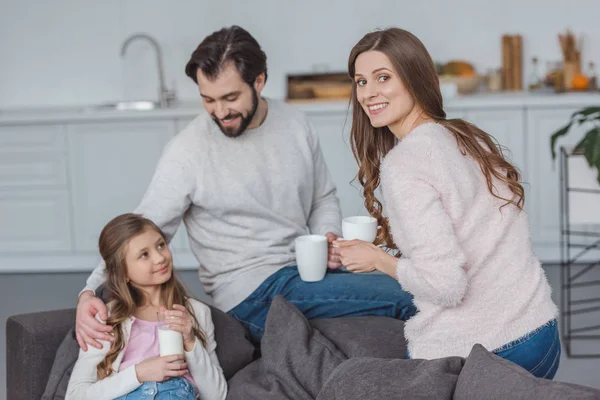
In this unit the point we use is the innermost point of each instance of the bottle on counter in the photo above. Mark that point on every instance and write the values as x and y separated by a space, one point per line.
535 81
494 80
554 76
591 74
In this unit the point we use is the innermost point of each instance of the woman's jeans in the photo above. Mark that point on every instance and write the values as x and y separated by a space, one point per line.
175 388
339 294
538 351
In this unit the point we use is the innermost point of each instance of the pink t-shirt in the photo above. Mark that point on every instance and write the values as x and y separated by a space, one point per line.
143 344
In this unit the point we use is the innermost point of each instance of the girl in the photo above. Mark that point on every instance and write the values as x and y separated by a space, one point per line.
454 206
141 283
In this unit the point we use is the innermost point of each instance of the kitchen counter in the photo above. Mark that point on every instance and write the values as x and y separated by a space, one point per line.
481 101
94 113
190 109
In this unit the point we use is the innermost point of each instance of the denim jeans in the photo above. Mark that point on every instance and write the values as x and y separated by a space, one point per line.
538 351
339 294
175 388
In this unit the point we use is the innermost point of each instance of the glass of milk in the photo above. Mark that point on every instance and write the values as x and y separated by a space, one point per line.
169 341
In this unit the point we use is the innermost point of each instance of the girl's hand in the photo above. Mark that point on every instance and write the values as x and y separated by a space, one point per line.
180 320
158 369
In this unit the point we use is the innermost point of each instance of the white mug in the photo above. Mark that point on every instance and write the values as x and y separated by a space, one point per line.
359 227
311 257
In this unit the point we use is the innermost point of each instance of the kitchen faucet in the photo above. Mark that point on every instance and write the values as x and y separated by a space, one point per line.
165 96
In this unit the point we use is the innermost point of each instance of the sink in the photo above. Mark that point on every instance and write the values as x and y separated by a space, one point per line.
138 105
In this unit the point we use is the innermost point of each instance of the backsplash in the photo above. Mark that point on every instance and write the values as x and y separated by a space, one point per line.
67 53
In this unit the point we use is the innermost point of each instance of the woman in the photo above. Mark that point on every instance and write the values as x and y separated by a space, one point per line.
454 206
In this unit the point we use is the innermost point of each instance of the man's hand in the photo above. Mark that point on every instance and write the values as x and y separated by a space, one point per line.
333 260
87 327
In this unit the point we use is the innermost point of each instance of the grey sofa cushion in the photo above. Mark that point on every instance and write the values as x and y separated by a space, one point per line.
62 367
376 378
305 360
234 351
488 376
31 342
370 336
234 347
66 355
296 359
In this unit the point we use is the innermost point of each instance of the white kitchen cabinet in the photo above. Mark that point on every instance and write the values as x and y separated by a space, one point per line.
27 169
111 167
63 175
452 113
34 207
333 130
182 123
34 221
42 137
506 126
33 156
180 243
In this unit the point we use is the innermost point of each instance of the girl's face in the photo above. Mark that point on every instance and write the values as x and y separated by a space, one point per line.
148 259
380 91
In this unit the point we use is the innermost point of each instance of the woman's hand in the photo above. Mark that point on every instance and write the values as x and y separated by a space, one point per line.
180 320
357 255
360 256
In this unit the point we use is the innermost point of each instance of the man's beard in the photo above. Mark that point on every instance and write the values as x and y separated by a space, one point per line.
245 121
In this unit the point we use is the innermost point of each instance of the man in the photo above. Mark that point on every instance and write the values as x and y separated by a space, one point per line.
247 177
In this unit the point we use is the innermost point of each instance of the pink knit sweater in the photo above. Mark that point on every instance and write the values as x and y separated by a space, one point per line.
469 265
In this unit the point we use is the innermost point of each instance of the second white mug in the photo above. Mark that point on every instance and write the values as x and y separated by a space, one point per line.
359 227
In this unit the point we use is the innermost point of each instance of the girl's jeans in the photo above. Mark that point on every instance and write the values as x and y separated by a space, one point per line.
175 388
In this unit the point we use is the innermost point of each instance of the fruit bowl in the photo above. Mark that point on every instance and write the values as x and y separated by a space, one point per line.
464 84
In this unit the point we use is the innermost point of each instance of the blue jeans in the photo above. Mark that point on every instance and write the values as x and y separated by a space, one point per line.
339 294
538 351
175 388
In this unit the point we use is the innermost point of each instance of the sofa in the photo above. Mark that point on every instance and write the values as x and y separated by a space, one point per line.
341 358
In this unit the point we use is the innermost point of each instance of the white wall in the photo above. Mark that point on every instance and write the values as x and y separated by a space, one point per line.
66 52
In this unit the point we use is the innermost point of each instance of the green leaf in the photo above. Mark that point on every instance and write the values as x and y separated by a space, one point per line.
586 112
590 145
561 132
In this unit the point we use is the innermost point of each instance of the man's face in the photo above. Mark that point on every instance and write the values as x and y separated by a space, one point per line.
230 101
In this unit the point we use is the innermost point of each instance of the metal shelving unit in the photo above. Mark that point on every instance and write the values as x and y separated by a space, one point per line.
580 278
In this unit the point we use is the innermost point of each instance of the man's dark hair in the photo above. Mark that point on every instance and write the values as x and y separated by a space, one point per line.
233 44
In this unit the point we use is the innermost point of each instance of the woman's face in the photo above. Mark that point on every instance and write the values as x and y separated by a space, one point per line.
380 91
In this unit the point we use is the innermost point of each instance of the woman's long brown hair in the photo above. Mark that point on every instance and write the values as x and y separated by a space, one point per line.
123 298
417 71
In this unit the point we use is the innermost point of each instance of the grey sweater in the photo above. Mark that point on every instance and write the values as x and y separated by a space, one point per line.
243 200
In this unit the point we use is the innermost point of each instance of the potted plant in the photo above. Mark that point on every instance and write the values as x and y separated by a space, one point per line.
589 146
